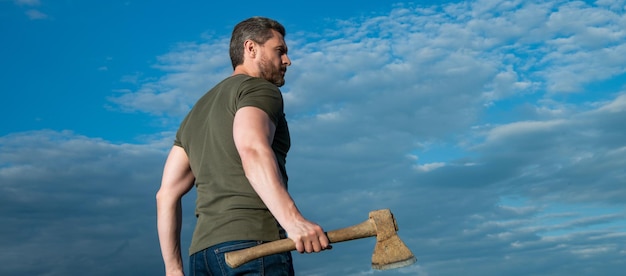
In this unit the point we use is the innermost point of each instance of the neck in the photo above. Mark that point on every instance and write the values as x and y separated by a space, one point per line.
244 70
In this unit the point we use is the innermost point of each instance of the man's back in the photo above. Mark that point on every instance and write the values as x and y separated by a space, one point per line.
233 146
227 207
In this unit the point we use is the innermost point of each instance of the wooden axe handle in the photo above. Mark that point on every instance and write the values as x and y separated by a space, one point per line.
239 257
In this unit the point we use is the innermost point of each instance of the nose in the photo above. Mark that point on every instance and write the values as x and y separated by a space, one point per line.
286 60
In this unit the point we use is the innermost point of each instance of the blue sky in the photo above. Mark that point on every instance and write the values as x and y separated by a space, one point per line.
492 129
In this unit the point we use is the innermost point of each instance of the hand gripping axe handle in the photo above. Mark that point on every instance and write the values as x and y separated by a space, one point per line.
390 252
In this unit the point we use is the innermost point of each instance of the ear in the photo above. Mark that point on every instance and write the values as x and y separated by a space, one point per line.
250 48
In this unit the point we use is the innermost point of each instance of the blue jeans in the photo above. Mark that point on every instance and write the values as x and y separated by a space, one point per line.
211 262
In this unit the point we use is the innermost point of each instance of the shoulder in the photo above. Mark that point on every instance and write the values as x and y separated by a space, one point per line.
260 93
257 87
254 83
246 84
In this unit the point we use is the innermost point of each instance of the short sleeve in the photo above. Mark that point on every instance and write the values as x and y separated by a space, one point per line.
263 95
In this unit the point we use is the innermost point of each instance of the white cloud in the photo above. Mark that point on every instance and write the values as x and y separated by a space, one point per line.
369 91
66 194
618 105
482 79
522 129
36 15
190 70
27 2
429 167
32 14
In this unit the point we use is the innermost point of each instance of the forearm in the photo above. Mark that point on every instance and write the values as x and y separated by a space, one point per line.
177 180
263 174
253 133
169 221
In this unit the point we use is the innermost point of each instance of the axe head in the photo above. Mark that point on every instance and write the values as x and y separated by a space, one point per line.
390 252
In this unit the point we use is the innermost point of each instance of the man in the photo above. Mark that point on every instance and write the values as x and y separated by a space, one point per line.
233 145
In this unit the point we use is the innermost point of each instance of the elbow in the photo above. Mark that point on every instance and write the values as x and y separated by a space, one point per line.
159 196
165 201
163 196
174 191
253 155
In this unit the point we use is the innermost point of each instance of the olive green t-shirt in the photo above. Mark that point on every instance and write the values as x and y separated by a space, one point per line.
227 207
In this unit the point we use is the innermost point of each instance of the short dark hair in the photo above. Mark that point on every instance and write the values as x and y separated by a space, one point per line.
258 29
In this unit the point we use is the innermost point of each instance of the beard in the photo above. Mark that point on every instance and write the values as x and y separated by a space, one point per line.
271 73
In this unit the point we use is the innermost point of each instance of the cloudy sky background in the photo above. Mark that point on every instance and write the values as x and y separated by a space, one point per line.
493 130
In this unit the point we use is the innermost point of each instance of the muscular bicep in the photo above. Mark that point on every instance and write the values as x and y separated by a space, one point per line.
252 127
177 178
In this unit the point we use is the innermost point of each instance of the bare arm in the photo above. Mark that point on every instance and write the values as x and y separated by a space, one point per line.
253 133
176 182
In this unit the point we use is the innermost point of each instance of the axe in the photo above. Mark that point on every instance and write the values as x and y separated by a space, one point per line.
390 252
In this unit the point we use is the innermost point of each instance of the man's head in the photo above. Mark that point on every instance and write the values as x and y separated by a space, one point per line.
260 41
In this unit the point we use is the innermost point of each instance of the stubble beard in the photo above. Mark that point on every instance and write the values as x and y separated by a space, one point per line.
271 73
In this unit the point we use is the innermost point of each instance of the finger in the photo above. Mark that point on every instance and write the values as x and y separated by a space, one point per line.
299 246
324 241
308 246
317 247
